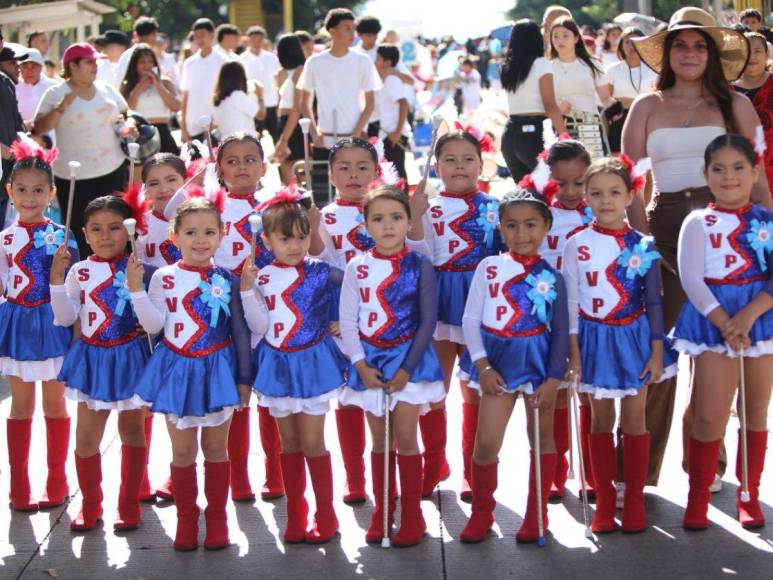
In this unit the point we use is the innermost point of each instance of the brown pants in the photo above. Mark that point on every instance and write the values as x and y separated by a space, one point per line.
665 215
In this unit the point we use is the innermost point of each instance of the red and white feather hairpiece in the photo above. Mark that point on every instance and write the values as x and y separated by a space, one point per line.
134 197
636 171
288 194
760 145
25 147
217 197
386 172
487 144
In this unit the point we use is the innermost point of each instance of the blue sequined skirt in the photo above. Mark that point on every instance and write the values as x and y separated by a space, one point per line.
28 333
452 291
389 360
299 374
695 334
521 361
191 392
105 377
613 357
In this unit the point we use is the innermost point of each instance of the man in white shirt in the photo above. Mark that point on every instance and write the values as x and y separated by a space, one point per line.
39 40
31 86
146 31
262 66
197 82
113 43
227 40
392 102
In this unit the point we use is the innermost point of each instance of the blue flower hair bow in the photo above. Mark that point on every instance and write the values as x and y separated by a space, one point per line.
488 219
587 216
639 260
49 238
217 296
122 292
761 240
542 293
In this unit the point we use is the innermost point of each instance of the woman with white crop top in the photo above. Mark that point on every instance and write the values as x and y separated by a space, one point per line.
580 85
289 146
153 96
693 104
527 77
628 78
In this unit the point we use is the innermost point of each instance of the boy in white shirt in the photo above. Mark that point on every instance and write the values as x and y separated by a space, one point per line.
197 83
470 80
392 104
262 66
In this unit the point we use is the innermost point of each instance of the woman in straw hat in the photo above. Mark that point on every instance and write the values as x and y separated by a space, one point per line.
696 60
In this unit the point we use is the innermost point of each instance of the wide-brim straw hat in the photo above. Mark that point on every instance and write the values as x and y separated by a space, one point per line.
733 46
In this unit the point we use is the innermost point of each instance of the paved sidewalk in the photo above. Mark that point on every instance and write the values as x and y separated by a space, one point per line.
41 546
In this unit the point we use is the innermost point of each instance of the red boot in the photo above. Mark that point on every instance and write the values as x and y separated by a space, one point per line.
238 454
186 490
433 435
19 432
585 422
484 484
702 467
603 459
412 524
561 437
57 443
529 531
351 436
749 513
325 524
133 466
636 459
375 531
164 491
147 495
274 487
469 428
89 471
294 473
216 477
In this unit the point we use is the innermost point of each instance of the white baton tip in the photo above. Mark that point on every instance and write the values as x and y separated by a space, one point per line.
133 148
305 124
205 121
254 220
74 167
130 224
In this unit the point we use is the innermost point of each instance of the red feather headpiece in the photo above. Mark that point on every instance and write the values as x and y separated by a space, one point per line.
218 197
140 206
289 194
25 147
487 144
636 171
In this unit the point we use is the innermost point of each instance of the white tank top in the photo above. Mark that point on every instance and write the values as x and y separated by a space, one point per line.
150 104
287 91
677 156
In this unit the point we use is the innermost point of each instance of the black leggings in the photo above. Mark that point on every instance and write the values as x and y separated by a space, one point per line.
85 191
521 143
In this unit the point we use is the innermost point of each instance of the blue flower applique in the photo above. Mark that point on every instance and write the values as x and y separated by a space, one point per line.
49 238
360 219
542 293
488 219
216 295
761 240
639 260
587 216
120 283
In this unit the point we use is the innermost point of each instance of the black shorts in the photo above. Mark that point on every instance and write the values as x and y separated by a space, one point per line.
295 142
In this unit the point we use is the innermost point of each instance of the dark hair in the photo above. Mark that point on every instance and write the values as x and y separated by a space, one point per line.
132 78
389 52
368 25
145 25
226 30
195 205
524 47
713 77
111 203
290 52
607 30
580 50
335 16
238 137
33 35
232 77
256 30
567 151
304 36
628 32
352 143
731 141
35 163
159 159
611 165
457 136
285 218
203 24
390 192
526 197
757 36
750 13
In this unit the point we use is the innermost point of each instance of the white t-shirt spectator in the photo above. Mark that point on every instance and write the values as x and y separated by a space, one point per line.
28 96
122 66
199 76
388 99
236 113
527 98
630 82
85 132
263 68
340 84
107 73
470 90
574 83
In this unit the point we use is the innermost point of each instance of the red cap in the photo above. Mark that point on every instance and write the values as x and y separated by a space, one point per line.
79 50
